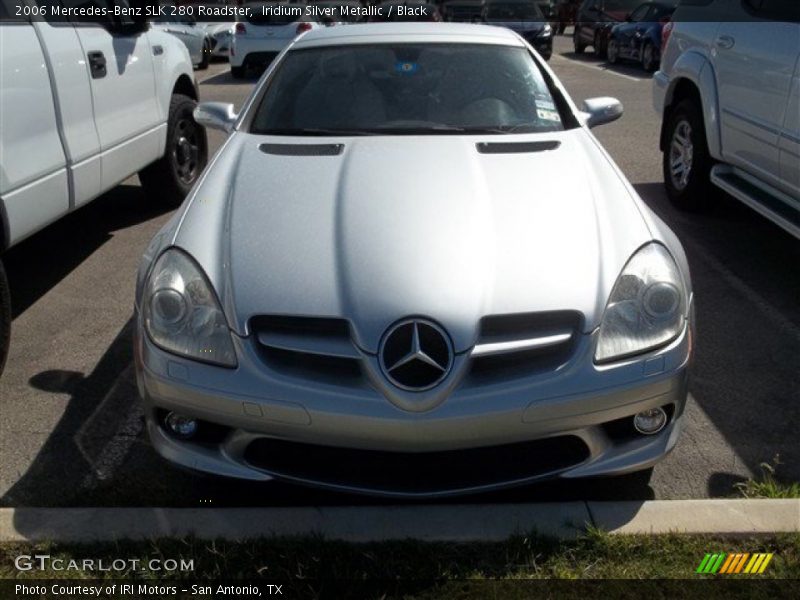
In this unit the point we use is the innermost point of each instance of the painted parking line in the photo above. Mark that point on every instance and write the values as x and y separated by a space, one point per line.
595 67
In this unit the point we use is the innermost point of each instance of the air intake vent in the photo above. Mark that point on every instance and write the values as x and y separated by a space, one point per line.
302 149
518 345
515 147
417 472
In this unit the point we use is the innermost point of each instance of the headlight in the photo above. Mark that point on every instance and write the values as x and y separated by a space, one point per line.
546 31
647 307
182 314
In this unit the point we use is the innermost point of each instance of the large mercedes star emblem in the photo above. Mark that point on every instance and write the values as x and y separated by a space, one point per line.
416 355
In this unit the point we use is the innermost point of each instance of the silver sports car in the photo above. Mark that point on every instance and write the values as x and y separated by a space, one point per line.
412 270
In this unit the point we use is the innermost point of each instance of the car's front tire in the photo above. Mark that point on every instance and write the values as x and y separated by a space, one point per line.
5 317
577 44
206 53
597 44
686 162
170 178
649 58
612 52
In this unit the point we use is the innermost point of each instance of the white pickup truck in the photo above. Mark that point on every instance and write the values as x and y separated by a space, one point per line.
87 101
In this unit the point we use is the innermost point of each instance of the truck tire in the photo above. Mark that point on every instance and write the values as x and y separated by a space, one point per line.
170 178
686 162
237 72
5 317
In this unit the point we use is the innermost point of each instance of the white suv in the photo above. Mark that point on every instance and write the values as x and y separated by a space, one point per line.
729 94
85 103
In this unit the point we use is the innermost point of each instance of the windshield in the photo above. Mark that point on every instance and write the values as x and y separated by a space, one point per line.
407 89
513 11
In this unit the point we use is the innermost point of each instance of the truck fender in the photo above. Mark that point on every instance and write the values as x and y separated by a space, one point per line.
691 73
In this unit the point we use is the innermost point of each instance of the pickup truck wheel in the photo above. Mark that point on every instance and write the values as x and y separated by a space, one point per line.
5 317
237 72
686 161
171 177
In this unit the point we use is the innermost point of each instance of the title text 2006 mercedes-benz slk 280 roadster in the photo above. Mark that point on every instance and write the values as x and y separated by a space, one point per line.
384 282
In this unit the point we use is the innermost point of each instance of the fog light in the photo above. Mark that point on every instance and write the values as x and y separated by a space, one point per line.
650 421
180 425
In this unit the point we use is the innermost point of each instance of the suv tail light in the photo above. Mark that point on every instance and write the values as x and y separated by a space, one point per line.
304 26
240 29
666 31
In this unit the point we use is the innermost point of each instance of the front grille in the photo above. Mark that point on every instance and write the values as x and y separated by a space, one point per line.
523 360
423 472
312 348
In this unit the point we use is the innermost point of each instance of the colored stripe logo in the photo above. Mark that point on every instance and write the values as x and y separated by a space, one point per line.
729 564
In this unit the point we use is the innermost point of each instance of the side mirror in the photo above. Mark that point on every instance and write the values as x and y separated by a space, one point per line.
216 115
599 111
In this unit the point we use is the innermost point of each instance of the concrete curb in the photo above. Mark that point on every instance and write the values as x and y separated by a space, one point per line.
376 523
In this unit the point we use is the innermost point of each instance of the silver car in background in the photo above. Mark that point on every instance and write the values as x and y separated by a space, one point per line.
411 270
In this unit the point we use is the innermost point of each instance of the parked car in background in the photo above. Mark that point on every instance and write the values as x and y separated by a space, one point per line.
186 30
75 124
523 17
729 94
594 21
259 38
462 11
639 38
218 28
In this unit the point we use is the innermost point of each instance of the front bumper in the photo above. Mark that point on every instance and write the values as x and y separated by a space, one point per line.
580 402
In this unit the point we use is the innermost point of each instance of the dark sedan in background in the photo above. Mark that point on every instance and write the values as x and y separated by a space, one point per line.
639 38
523 17
595 20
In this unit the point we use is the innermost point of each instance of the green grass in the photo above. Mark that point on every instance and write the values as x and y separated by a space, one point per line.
420 570
767 486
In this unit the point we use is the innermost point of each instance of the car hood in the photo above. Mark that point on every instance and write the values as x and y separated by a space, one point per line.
214 28
395 226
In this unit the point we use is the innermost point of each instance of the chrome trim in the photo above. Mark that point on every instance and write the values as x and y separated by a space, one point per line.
520 345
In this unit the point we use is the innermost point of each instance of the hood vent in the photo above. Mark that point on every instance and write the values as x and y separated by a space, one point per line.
302 149
515 147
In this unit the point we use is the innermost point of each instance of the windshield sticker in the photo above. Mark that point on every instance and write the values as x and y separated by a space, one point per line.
406 68
547 115
546 104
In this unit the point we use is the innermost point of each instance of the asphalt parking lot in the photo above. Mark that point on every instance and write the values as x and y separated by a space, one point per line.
71 432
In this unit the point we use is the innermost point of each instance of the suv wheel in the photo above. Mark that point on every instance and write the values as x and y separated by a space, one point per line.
686 162
5 317
577 44
171 177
